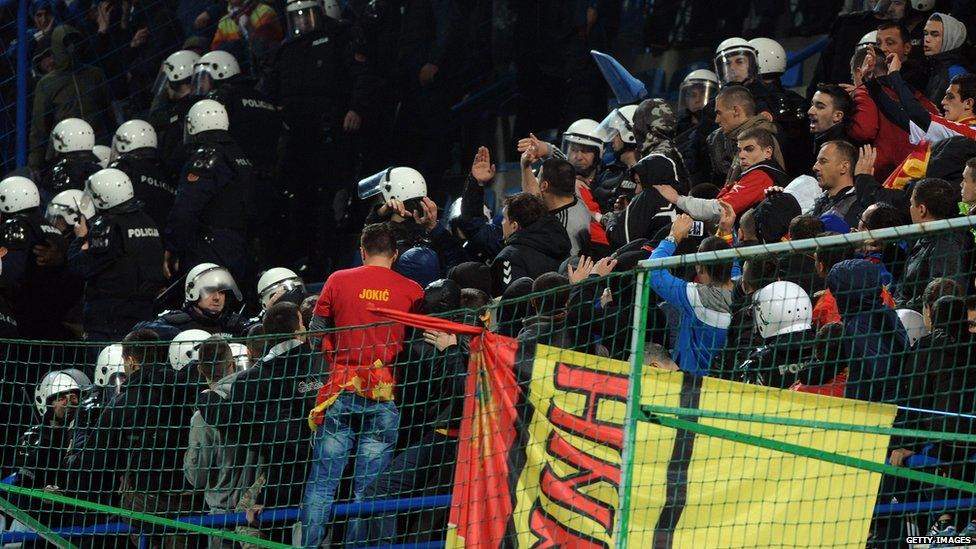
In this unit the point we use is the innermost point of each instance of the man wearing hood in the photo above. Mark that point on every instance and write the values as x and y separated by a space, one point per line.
535 242
72 89
944 39
874 338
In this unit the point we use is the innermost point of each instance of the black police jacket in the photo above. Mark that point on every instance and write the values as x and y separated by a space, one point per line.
70 171
151 183
255 123
170 323
168 123
130 236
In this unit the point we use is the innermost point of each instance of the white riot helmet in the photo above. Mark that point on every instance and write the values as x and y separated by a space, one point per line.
242 357
770 56
56 383
305 16
69 205
108 188
110 366
179 66
922 5
914 324
782 308
185 348
207 278
103 153
133 135
332 9
17 194
736 61
71 135
697 89
399 183
273 280
620 122
584 132
213 67
869 39
204 116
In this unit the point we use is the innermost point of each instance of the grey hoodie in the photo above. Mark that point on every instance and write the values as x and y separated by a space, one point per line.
223 470
953 31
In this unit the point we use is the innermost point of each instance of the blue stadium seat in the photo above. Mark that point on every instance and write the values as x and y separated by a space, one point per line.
793 76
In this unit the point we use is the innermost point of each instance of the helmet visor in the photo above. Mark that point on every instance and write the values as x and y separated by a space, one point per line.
374 184
736 66
203 80
695 94
160 85
68 213
303 20
613 125
215 280
279 288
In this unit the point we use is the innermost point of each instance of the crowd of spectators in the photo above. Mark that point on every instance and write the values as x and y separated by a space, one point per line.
253 152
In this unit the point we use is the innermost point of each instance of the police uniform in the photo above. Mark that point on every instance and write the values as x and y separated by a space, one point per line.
208 221
40 295
123 270
150 182
170 323
169 123
70 171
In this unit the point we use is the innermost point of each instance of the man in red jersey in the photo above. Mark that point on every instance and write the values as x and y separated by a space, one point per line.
355 408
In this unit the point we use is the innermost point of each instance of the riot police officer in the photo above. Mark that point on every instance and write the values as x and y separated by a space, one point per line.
208 222
174 99
66 209
34 277
73 141
134 151
696 90
207 305
122 262
324 90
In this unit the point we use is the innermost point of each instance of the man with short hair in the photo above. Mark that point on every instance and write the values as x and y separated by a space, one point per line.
968 186
535 242
355 411
548 326
556 186
834 170
829 111
944 254
735 112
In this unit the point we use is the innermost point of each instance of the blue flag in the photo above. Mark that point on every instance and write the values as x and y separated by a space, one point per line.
624 85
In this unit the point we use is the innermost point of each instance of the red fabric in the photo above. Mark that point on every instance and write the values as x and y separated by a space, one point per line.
360 357
826 312
868 125
834 387
747 191
598 235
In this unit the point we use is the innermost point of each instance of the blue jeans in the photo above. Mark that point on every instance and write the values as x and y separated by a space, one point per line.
351 422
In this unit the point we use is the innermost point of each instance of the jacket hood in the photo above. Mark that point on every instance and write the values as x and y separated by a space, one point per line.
856 285
773 216
64 44
546 236
953 31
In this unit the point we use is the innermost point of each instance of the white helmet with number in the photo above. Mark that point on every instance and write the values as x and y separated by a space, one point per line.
73 134
242 357
399 183
179 66
103 153
108 188
770 56
109 365
213 67
585 132
277 278
185 348
736 61
914 324
133 135
206 115
57 382
620 122
68 205
781 308
17 193
207 278
869 39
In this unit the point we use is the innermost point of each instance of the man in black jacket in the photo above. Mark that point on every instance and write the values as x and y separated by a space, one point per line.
268 407
535 242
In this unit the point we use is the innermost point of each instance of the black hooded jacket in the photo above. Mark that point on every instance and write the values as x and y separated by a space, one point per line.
531 251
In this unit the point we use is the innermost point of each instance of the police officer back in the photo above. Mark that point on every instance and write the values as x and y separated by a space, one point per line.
134 151
208 222
173 101
73 140
119 257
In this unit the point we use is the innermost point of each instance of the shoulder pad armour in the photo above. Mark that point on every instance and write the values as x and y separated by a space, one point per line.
204 159
15 233
175 318
98 235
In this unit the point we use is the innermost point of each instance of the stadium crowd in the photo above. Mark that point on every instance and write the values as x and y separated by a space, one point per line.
227 192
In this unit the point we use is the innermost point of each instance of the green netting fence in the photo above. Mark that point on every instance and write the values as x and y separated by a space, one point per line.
810 393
